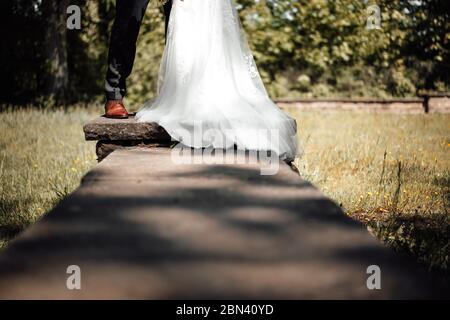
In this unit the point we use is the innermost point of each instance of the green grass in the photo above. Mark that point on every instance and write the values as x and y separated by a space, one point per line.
390 171
43 155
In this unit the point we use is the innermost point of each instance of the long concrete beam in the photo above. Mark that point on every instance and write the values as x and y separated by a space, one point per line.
141 226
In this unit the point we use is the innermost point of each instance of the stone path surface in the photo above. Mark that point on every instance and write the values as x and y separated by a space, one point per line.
142 227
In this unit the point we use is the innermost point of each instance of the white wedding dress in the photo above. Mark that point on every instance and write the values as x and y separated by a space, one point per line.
210 93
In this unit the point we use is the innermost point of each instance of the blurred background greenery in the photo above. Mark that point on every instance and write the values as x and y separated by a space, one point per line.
304 48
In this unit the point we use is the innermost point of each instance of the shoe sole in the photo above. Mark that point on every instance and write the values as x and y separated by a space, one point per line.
117 117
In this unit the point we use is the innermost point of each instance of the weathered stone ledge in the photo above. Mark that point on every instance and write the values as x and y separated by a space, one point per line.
106 129
114 134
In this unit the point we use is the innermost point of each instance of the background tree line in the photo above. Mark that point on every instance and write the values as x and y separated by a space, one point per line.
304 48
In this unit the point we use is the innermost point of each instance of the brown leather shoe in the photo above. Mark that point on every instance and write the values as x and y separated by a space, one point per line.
115 109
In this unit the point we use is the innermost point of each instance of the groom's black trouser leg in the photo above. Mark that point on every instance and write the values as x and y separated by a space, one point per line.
122 46
167 9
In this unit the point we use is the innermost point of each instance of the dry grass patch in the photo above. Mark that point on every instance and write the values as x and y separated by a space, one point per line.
389 171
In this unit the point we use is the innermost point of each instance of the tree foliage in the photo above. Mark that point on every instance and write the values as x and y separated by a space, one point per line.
303 48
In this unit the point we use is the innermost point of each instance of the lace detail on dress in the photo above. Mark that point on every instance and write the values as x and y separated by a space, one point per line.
251 66
182 71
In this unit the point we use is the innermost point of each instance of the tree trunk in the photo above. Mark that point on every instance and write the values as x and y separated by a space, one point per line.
55 48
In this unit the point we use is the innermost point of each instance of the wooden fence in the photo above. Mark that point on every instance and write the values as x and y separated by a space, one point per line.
435 103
